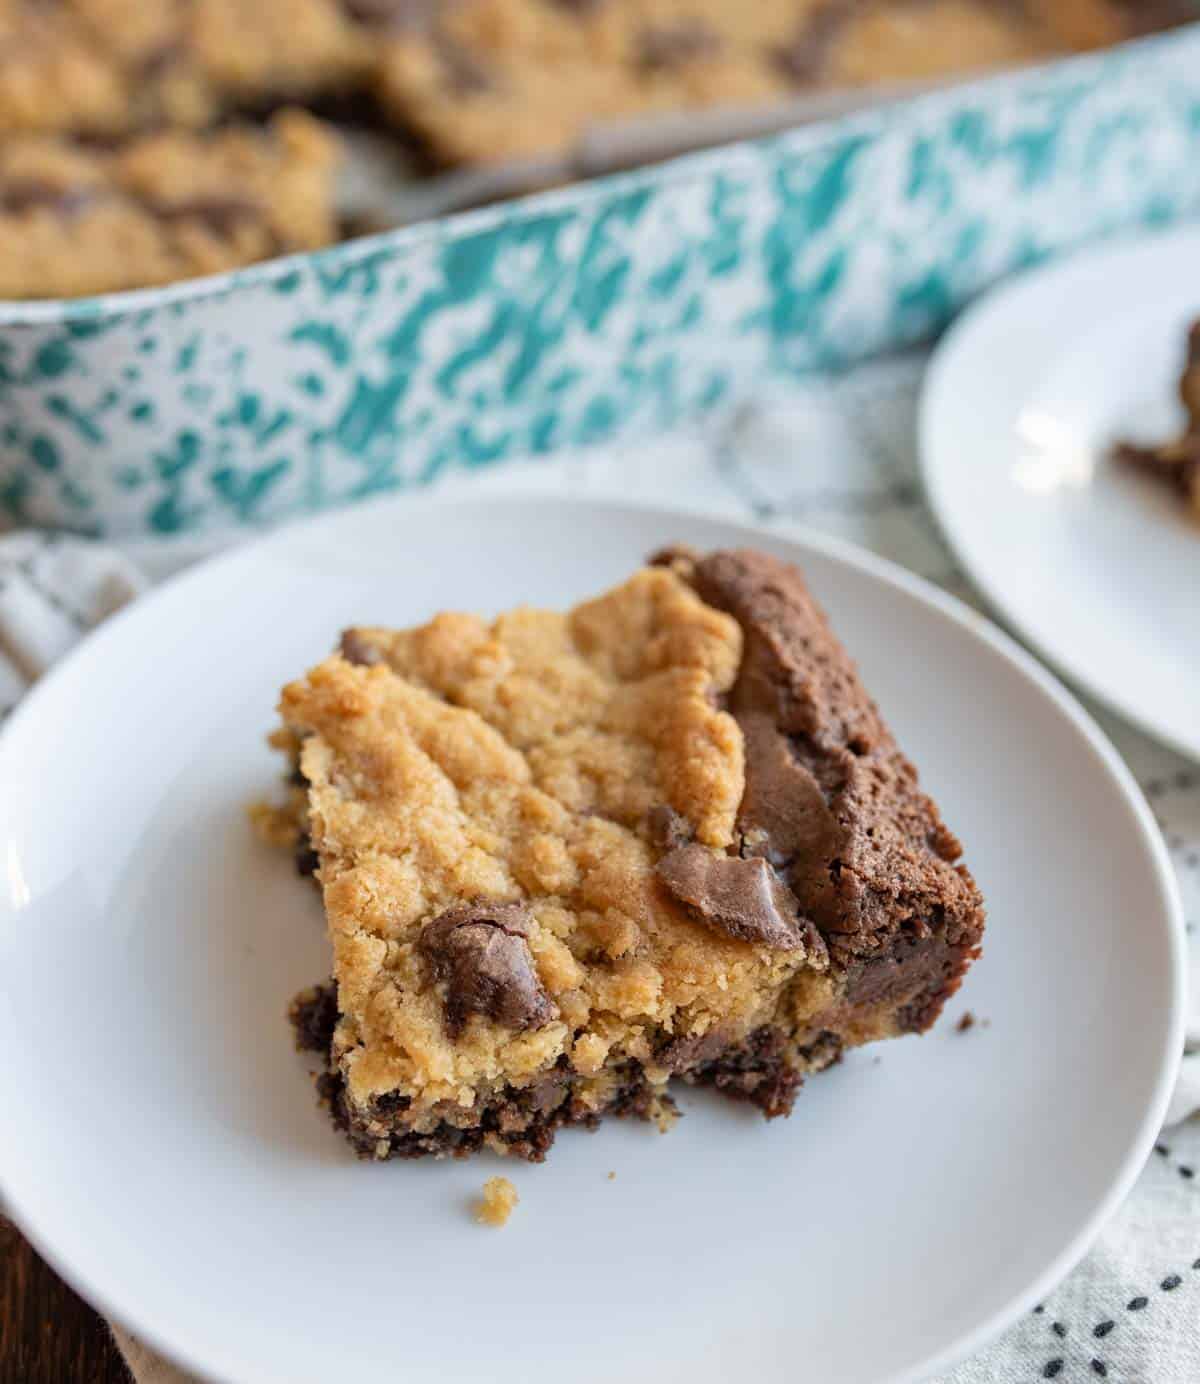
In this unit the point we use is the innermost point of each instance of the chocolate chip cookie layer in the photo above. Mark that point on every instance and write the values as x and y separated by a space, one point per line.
566 858
78 219
486 80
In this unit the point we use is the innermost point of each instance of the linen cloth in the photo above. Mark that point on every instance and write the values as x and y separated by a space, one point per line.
836 454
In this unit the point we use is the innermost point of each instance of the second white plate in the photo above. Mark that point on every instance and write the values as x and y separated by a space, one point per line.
1099 569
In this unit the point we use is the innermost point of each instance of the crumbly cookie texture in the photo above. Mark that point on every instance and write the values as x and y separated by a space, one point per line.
493 79
565 857
497 1202
1175 463
112 67
79 220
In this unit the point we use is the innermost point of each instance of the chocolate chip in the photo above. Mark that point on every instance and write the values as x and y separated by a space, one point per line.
464 75
357 650
19 195
673 45
666 828
744 898
803 60
307 860
156 62
222 215
480 951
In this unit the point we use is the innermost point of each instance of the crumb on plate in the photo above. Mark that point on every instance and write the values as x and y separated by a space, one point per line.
496 1204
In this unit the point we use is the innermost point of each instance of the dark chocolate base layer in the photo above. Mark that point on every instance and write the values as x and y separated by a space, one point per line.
761 1070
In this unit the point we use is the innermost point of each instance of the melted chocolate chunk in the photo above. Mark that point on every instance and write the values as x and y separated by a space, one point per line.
743 898
480 951
355 649
673 45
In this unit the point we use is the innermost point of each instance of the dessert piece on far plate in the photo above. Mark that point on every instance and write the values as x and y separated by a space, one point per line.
78 219
567 857
1175 463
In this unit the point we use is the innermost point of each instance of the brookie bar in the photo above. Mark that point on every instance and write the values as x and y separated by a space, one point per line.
1175 463
565 858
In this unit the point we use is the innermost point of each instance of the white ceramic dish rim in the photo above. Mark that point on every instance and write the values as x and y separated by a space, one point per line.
116 1304
686 168
931 476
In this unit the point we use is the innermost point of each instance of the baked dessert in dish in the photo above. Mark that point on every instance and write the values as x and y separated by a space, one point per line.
1175 463
565 858
109 68
488 80
449 82
80 219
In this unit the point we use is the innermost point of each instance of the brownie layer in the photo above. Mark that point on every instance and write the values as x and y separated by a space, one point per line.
835 807
763 1070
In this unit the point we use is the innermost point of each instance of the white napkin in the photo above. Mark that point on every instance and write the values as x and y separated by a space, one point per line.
838 455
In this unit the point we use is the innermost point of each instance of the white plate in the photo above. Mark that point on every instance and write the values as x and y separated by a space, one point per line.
160 1140
1097 568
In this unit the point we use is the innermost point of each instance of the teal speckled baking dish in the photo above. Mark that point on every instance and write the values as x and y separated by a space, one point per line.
594 310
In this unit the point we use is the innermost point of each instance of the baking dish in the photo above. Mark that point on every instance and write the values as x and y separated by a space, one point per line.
598 309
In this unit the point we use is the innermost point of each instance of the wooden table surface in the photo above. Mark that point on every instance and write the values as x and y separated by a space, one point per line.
48 1335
